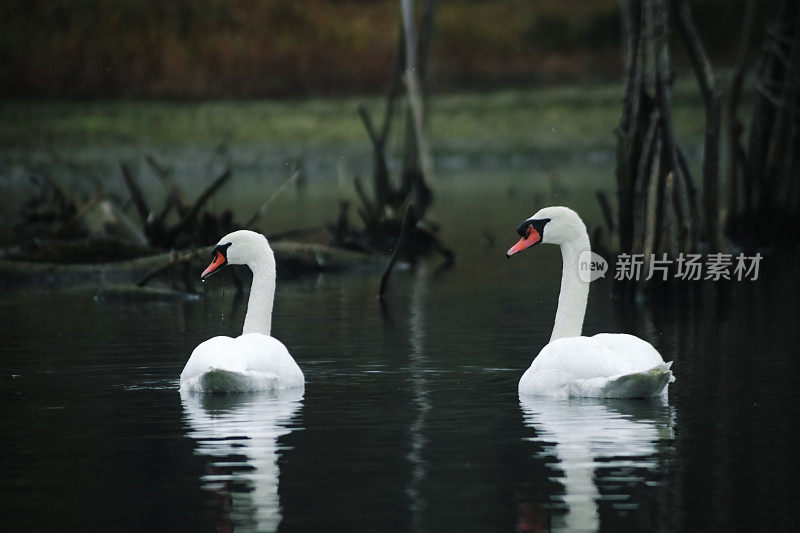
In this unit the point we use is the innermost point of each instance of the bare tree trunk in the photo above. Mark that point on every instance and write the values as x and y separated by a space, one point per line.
384 193
658 209
735 150
713 105
669 157
412 81
625 171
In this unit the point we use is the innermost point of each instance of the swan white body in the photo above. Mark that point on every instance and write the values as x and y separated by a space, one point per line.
254 361
604 366
608 365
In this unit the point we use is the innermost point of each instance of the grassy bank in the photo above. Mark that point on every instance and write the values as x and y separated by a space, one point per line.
570 117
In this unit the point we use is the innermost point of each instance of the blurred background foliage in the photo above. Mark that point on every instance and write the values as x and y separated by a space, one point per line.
277 48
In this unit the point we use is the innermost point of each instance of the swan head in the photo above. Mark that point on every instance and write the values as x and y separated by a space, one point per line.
237 248
551 225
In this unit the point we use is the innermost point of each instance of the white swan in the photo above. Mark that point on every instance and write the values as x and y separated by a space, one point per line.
254 361
604 366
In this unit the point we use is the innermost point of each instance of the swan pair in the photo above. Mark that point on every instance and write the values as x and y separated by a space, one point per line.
606 365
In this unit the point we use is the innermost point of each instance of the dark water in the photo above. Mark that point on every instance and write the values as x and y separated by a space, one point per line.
411 419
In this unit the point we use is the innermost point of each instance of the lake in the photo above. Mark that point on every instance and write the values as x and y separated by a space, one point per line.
411 418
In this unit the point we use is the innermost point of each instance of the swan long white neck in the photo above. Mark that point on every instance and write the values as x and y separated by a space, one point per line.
574 291
262 292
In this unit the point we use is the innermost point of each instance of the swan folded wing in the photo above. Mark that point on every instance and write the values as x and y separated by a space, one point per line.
646 384
250 362
626 353
606 365
267 354
576 358
213 353
603 355
220 380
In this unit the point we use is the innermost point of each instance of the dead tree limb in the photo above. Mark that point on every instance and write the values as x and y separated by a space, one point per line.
668 159
625 132
383 188
136 193
668 222
605 208
425 50
191 214
370 213
735 150
411 79
630 36
408 215
713 104
165 175
691 198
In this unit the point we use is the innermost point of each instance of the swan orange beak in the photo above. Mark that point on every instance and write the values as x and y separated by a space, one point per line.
217 264
532 237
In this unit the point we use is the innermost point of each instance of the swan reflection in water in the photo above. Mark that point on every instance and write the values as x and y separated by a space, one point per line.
593 443
239 434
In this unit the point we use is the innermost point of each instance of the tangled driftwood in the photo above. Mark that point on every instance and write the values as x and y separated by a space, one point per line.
68 239
385 214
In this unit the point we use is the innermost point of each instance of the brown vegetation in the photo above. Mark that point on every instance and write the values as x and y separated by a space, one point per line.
238 48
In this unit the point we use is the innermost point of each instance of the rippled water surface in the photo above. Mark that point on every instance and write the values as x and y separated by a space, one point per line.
410 418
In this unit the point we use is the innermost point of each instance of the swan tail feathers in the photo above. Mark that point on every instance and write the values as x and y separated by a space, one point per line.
224 380
646 384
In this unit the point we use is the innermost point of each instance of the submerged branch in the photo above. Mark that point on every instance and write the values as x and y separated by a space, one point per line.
399 246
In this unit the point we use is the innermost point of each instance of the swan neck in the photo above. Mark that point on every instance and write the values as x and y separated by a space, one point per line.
574 291
262 293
